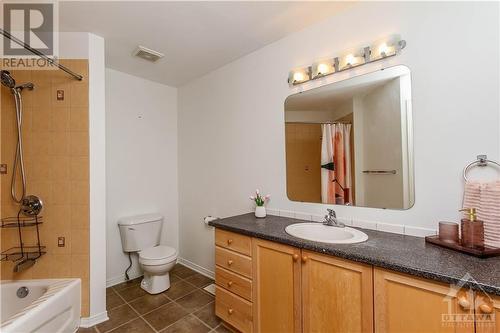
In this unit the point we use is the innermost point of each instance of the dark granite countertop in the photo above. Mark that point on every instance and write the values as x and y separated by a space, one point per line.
406 254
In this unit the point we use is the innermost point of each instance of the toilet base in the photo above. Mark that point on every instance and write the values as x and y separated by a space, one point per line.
155 284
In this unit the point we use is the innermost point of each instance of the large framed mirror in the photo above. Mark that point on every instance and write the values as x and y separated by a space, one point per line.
350 142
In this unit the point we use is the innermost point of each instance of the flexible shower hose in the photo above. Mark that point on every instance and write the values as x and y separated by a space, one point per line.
18 160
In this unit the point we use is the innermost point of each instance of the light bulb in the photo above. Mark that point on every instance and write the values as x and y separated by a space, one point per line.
350 59
323 69
298 76
383 49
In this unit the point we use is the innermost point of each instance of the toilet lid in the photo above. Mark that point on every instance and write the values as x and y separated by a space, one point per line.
158 252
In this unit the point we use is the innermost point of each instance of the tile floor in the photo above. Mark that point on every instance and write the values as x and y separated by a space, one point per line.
185 307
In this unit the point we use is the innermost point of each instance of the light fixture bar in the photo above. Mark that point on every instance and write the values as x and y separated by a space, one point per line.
339 64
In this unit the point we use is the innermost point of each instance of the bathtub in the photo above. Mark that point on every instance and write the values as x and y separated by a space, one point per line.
50 306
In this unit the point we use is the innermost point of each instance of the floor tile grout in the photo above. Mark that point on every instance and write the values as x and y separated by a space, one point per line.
144 319
141 316
128 304
201 321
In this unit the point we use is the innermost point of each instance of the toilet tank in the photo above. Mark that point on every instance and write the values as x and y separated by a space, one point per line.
140 232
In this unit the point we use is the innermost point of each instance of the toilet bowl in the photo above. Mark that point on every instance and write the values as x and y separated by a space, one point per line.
156 262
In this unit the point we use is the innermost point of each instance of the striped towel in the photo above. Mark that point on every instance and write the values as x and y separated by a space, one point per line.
485 197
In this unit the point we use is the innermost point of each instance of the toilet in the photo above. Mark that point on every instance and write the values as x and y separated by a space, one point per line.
141 234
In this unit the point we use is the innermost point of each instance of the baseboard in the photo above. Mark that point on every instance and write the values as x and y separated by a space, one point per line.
121 278
93 320
135 274
197 268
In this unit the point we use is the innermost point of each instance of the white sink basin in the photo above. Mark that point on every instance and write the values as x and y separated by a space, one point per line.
319 232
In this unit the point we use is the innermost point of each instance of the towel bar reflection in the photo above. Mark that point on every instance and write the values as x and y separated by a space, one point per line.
380 172
482 161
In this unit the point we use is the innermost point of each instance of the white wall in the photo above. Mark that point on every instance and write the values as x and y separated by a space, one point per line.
83 45
97 137
231 121
141 156
318 116
378 138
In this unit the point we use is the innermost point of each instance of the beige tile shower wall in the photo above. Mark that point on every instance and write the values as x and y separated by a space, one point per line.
56 150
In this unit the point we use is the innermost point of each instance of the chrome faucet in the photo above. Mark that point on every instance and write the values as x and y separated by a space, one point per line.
331 219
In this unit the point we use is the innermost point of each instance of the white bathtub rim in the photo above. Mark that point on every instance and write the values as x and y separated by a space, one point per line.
33 309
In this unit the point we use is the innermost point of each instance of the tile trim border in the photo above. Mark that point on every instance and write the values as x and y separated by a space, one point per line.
87 322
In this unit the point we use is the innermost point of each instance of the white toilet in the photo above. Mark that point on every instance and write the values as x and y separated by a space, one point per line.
142 234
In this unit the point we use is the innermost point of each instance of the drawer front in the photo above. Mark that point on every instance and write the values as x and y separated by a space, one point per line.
233 282
233 241
233 309
233 261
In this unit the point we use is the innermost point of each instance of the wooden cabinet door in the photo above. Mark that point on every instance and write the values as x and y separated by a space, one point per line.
337 295
276 287
487 313
406 304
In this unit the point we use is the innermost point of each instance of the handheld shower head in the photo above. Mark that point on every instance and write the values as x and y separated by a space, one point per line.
7 79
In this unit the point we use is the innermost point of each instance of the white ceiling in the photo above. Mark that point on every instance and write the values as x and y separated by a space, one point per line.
196 37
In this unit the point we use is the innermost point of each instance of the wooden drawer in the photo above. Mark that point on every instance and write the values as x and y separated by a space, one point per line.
233 241
233 261
233 309
233 282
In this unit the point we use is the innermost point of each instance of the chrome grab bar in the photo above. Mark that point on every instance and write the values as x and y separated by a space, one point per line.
380 172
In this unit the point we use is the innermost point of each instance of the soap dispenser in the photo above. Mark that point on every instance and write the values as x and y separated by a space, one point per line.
472 229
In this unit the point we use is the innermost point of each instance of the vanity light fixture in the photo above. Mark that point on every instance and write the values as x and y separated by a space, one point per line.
386 48
300 75
322 68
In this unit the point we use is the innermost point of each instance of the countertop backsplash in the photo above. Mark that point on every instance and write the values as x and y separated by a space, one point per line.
353 222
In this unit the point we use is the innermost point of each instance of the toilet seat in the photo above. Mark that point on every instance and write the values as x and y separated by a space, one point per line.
157 255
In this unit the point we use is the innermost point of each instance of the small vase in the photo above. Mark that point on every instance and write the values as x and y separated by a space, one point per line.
260 211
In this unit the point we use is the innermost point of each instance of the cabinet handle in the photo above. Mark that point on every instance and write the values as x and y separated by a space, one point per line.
464 302
295 257
304 259
485 308
229 262
230 311
229 241
229 283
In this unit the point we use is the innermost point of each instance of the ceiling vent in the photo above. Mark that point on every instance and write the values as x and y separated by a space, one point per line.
147 54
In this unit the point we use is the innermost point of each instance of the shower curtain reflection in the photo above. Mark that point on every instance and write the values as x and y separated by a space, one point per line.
336 179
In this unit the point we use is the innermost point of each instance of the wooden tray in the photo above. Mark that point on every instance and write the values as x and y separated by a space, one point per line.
480 252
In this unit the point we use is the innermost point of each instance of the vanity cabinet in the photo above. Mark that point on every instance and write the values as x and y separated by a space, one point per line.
408 304
268 287
487 313
303 291
277 290
233 279
337 295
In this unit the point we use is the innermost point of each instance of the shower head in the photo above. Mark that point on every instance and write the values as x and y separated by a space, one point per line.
7 79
